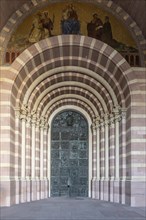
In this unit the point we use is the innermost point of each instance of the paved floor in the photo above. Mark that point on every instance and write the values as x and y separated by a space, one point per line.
71 209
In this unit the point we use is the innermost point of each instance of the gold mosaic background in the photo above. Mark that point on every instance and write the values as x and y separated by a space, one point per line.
84 11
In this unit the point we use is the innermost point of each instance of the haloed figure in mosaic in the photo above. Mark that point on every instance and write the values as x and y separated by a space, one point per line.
70 23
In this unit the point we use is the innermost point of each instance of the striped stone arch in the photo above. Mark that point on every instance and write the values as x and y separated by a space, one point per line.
65 60
70 90
28 8
96 99
71 102
92 102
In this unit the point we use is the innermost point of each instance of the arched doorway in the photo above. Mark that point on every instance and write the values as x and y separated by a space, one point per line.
69 155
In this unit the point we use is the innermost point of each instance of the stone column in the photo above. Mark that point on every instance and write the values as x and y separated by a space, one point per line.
33 185
48 159
37 160
102 158
23 159
111 157
106 181
41 151
42 160
98 149
18 142
117 156
33 149
123 151
106 148
45 162
117 153
23 150
98 158
94 160
28 156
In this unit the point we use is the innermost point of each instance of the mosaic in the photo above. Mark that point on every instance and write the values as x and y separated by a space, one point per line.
73 18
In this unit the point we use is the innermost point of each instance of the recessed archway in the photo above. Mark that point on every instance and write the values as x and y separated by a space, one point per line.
39 88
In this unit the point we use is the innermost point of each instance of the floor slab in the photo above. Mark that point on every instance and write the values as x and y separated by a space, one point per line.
71 209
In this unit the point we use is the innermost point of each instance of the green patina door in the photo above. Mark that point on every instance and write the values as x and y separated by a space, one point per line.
69 155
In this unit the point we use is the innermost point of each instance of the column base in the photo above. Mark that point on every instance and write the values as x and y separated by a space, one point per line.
116 191
22 190
101 192
111 190
97 193
42 190
106 190
93 188
129 192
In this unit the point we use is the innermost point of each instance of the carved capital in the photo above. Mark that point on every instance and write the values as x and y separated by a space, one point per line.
123 113
33 116
102 127
111 120
97 122
43 121
28 119
24 111
93 127
17 112
34 119
46 127
23 117
116 112
106 119
37 122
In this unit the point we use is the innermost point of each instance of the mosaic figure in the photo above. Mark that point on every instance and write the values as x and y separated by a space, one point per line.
107 36
95 27
47 23
70 23
37 30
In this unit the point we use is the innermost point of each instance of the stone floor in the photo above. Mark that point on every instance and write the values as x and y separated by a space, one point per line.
71 209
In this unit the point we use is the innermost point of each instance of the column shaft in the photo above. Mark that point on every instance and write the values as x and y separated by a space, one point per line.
102 152
33 152
23 151
98 154
106 152
94 153
41 153
117 149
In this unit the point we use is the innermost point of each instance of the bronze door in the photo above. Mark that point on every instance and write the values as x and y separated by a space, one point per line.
69 155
